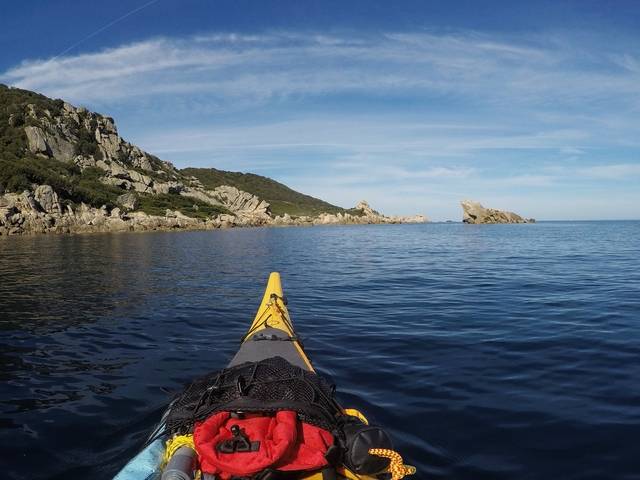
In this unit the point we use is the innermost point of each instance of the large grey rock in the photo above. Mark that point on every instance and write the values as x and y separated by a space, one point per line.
167 187
129 201
37 140
200 194
62 147
117 182
239 202
247 209
52 140
47 198
366 209
29 203
139 179
474 212
84 162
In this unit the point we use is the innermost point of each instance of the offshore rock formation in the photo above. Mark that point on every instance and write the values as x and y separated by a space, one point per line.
474 212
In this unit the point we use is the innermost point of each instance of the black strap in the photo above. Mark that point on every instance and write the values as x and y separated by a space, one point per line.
333 455
238 443
329 473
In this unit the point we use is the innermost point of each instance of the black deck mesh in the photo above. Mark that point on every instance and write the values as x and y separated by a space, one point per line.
266 386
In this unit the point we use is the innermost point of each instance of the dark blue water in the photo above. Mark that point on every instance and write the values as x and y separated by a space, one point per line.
490 352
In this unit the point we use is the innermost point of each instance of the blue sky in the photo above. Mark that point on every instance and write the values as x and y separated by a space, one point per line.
414 106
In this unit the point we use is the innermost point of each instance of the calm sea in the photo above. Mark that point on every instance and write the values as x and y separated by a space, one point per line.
489 352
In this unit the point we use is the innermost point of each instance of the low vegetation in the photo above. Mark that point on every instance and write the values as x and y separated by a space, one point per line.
13 140
71 185
158 205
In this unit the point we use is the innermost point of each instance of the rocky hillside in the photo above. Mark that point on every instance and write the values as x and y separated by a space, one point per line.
63 168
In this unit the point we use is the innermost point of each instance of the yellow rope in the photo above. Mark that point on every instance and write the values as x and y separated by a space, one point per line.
356 413
173 444
397 468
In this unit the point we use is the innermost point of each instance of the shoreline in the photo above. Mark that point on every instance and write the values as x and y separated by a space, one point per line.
41 212
202 228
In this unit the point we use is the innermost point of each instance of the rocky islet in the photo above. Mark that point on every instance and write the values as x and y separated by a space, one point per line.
475 213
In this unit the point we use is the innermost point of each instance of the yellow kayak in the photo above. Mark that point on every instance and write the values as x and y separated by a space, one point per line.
271 336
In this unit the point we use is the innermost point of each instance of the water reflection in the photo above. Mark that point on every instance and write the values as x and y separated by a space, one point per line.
498 352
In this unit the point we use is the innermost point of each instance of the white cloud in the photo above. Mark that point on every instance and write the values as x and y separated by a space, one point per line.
389 137
483 68
572 151
628 62
611 172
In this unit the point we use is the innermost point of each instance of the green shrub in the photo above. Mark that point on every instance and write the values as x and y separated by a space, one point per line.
158 205
66 179
17 183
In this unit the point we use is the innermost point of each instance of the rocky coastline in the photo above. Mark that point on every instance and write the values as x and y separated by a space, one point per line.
40 211
101 183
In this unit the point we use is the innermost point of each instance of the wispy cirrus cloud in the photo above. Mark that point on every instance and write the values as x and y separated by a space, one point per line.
228 66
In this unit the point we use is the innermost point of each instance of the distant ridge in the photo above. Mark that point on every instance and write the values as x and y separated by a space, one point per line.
282 198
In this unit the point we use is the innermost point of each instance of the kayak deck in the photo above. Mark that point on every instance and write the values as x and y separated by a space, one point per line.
268 343
271 334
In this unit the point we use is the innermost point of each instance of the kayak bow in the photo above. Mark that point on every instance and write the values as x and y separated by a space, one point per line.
272 320
270 335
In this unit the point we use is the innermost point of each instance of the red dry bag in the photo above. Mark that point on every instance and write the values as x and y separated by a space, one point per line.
229 446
